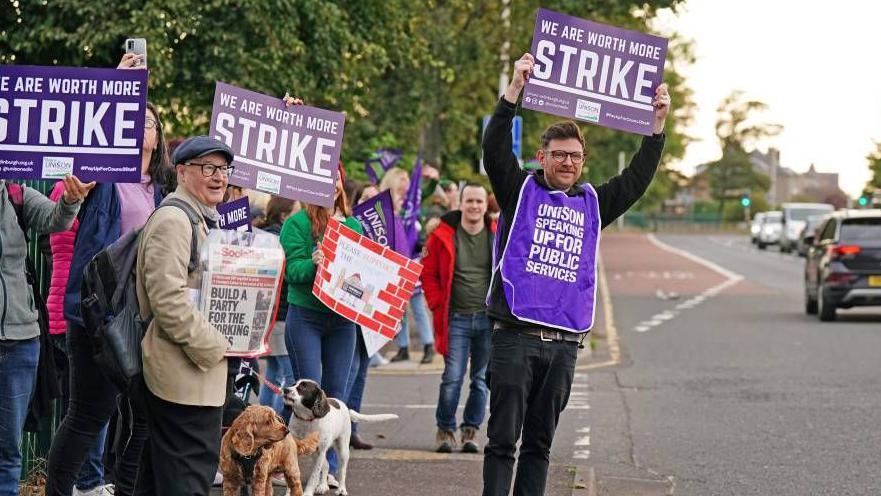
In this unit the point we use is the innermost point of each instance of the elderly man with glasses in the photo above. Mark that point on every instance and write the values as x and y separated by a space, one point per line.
542 293
184 380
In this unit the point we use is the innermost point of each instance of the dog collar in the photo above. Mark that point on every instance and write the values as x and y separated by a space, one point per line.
301 418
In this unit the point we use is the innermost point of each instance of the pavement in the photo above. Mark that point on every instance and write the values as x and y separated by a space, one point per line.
404 462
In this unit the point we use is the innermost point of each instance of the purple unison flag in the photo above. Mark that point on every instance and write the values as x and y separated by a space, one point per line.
235 215
287 151
411 207
377 217
386 158
56 121
594 72
371 172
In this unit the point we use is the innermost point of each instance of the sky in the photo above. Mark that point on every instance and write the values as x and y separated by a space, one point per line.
816 64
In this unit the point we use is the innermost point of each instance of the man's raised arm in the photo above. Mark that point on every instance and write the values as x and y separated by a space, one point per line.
499 160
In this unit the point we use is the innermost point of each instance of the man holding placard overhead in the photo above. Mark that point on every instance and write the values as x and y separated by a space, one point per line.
543 291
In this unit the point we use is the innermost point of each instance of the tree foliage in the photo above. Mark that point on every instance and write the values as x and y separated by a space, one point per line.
874 162
412 75
737 129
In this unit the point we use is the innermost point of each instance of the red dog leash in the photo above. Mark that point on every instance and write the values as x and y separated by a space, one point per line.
272 387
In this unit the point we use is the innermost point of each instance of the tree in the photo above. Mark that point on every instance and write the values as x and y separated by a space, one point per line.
737 129
874 159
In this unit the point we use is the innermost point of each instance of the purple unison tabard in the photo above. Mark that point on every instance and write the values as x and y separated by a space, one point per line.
548 264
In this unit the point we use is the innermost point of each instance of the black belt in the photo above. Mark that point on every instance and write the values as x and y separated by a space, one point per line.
542 333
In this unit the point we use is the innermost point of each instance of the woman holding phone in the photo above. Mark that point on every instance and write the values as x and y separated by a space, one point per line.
111 211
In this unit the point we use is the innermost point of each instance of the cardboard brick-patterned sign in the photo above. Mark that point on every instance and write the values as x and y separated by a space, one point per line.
365 282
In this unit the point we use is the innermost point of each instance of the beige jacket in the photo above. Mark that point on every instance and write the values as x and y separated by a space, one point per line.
182 352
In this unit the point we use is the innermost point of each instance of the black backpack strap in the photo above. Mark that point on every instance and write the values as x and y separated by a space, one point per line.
16 197
195 220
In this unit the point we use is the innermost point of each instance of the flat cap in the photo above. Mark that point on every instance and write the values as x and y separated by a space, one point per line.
199 146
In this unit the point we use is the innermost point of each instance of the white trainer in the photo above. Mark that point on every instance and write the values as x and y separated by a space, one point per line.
105 490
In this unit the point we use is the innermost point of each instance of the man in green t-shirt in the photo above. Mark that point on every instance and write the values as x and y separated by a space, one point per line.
456 276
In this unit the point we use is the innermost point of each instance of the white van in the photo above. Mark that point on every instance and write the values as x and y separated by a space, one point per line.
795 217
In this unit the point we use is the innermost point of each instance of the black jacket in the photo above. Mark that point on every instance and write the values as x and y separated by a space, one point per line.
615 196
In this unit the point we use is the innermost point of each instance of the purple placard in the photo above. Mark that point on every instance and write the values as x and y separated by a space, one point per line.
71 120
594 72
235 215
377 217
287 151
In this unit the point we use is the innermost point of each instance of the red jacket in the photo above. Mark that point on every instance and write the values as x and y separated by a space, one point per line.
438 265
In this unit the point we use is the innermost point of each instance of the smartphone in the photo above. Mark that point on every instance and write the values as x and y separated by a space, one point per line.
137 46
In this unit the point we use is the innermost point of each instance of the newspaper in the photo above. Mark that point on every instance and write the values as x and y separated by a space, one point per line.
240 289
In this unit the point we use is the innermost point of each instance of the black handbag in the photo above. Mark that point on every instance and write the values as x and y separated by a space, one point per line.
118 341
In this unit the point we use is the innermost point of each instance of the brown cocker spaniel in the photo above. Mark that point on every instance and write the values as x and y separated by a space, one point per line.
258 444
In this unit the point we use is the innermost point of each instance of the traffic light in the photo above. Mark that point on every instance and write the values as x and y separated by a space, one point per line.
745 201
863 201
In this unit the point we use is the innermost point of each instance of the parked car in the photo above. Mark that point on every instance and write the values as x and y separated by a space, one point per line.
772 225
810 229
795 215
755 227
843 265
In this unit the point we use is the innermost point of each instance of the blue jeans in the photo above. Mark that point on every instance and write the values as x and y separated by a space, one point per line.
92 473
470 335
321 346
423 322
18 377
279 371
357 377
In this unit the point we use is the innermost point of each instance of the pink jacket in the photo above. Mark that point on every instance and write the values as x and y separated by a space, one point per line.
62 254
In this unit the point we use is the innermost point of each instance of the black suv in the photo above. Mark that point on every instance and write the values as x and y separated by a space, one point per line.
843 267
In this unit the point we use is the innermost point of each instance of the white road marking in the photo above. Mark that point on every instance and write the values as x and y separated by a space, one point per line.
731 278
581 454
578 400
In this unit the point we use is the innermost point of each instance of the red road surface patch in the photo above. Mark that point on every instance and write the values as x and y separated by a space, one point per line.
635 266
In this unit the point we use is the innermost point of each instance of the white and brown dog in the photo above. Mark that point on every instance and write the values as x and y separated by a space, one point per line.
315 412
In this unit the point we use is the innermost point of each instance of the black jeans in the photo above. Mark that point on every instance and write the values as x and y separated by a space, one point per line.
529 382
181 456
93 399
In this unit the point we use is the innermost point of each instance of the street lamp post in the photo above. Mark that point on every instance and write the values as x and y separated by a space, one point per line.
504 55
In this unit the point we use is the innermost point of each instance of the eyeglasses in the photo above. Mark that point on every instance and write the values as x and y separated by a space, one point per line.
559 156
151 123
209 170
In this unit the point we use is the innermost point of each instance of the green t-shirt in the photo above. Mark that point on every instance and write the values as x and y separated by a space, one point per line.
296 239
472 271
